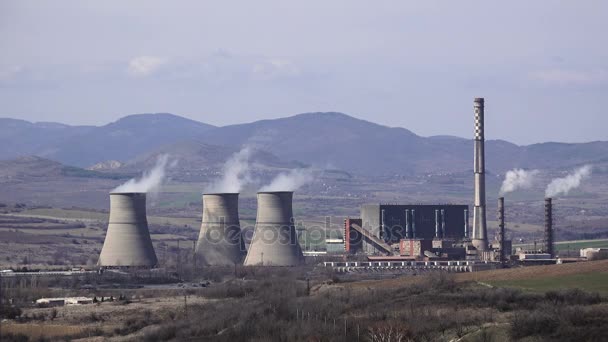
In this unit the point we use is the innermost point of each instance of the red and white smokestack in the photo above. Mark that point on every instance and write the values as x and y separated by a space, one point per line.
480 231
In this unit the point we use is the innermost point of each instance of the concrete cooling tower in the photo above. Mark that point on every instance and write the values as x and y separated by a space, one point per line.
275 242
219 242
128 242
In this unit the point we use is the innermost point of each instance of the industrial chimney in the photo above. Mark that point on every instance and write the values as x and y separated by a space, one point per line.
128 242
219 242
501 227
549 227
275 242
480 232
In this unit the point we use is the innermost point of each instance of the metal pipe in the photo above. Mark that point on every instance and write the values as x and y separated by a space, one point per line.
407 224
413 223
466 223
443 223
436 223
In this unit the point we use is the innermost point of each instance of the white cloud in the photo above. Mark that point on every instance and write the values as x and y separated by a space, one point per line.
7 73
275 67
566 77
145 65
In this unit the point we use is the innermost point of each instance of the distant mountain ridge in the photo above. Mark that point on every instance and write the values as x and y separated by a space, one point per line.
326 140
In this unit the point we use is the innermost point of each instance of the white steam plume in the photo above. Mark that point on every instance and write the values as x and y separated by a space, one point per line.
572 181
290 181
235 173
150 181
518 179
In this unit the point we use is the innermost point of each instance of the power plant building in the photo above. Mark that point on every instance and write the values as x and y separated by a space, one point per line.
394 222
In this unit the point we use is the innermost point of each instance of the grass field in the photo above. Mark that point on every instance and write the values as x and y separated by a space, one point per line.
593 282
574 245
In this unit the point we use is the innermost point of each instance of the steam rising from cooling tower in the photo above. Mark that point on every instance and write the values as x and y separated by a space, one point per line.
128 241
290 181
219 242
480 232
150 181
518 179
572 181
274 242
235 174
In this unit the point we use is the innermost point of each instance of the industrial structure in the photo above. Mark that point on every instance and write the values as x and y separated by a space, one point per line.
127 242
432 232
549 228
274 242
391 223
501 230
220 242
480 230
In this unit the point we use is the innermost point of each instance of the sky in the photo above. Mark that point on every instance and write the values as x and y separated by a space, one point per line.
541 65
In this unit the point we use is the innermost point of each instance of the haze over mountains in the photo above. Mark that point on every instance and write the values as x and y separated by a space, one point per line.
325 140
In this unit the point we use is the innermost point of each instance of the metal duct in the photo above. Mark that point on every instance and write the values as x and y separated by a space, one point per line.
127 241
480 232
274 242
219 242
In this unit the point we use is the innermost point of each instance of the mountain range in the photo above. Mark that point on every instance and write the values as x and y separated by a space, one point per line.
324 140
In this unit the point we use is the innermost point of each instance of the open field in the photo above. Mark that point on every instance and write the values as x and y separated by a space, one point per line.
591 272
275 304
592 282
573 245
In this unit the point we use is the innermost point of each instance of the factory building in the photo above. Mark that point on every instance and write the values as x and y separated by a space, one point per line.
391 223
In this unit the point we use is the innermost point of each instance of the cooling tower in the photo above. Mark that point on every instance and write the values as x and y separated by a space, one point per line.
128 242
480 232
274 242
219 241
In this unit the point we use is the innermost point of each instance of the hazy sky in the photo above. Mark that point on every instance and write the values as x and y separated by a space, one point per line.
541 65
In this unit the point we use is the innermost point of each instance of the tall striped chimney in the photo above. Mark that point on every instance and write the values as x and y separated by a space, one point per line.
480 231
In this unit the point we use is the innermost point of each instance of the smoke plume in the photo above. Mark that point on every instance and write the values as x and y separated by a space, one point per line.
290 181
518 179
151 179
235 173
566 184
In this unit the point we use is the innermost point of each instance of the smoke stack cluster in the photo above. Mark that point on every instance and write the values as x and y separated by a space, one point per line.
480 232
219 242
549 227
275 242
501 227
128 242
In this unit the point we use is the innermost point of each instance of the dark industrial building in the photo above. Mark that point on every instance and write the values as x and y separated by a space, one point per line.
392 222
